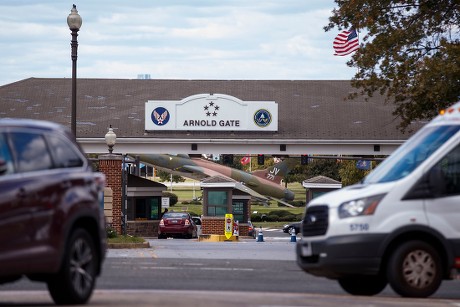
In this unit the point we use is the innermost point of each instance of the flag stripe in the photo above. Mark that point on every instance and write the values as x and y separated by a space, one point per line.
346 42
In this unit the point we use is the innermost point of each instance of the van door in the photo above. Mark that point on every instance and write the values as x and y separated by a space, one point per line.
443 210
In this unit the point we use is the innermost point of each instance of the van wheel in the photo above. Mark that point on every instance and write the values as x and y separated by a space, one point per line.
363 285
414 269
74 283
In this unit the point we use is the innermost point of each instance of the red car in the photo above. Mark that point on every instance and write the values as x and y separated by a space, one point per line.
52 224
177 224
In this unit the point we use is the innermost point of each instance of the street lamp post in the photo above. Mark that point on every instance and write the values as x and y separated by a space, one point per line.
74 22
110 139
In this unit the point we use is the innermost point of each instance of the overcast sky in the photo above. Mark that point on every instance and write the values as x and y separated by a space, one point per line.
171 39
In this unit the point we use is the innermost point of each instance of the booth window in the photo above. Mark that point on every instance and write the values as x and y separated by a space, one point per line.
217 203
143 208
238 211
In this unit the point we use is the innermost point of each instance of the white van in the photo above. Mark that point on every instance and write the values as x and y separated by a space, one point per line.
399 226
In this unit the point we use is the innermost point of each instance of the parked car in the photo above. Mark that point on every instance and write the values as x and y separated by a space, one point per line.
296 226
197 221
52 226
177 224
251 230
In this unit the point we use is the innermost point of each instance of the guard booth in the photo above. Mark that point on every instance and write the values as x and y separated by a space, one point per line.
319 185
221 196
143 206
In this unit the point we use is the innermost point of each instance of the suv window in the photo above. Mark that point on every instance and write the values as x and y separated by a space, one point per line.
64 153
30 151
6 163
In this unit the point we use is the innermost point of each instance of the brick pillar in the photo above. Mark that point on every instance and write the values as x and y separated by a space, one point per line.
111 166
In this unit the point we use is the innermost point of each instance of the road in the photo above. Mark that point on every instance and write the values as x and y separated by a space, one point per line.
177 272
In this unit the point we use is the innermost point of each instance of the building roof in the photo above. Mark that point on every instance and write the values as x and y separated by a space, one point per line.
136 181
321 182
313 110
308 109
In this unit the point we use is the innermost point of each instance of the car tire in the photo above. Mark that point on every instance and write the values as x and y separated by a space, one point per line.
363 285
414 269
162 236
74 283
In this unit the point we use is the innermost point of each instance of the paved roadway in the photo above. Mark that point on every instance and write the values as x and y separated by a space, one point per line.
177 272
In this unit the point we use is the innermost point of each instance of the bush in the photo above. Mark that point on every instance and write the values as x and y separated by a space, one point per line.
288 218
297 203
256 218
111 233
172 198
272 218
279 213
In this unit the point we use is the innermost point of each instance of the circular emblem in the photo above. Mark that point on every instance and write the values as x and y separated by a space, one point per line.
262 118
160 116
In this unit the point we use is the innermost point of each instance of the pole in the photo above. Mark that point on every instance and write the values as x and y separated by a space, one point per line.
74 44
123 196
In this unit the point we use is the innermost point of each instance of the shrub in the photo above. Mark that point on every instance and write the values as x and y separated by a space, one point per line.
256 218
280 213
172 198
272 218
288 218
297 203
111 233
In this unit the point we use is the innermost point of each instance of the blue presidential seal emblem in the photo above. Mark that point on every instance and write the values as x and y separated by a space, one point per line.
160 116
262 118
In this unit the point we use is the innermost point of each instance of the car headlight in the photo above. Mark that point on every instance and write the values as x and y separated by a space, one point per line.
361 206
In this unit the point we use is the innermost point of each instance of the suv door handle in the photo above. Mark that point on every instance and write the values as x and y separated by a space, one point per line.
21 193
66 184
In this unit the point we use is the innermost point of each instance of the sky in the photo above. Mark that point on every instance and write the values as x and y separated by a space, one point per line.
171 39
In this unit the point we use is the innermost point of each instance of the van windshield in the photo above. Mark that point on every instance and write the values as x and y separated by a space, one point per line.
411 154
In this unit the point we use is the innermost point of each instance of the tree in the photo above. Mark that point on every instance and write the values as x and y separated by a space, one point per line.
165 176
410 52
350 174
316 167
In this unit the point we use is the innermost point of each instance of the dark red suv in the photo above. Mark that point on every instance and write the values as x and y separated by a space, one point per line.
52 225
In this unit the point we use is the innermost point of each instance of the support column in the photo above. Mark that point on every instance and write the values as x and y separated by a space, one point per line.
111 166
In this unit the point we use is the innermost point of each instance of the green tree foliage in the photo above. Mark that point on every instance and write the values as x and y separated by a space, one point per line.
350 174
409 52
165 176
316 167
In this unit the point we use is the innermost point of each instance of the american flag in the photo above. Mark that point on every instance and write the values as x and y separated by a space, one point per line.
346 42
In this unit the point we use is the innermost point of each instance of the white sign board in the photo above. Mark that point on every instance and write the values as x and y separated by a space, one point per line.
165 202
214 112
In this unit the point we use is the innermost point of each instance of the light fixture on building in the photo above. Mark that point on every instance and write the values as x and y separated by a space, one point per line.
74 22
110 139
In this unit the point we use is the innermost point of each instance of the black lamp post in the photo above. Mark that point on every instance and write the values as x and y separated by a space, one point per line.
74 21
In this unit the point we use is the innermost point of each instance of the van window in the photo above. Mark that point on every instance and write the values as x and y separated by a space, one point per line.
411 154
450 170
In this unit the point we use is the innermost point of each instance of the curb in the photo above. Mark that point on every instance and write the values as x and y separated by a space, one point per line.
129 245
